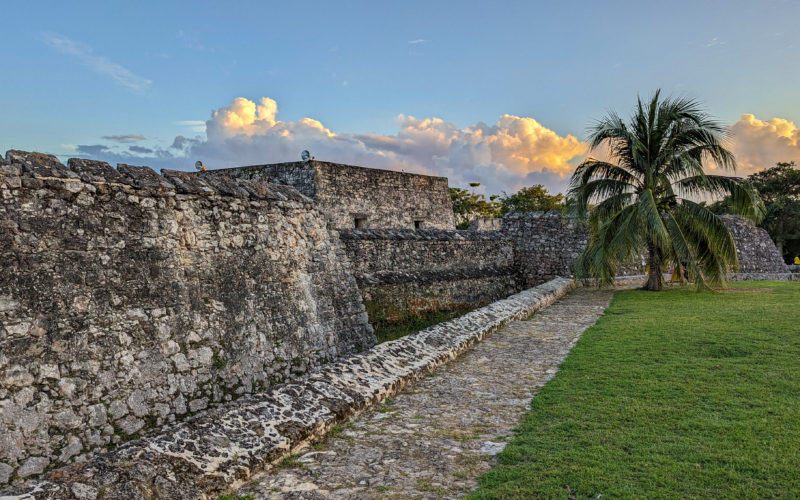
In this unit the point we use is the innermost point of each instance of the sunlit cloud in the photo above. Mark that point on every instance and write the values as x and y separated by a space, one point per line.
99 64
417 41
514 152
760 144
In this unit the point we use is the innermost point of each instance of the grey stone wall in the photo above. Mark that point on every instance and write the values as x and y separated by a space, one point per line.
546 245
385 199
755 250
224 447
424 270
129 300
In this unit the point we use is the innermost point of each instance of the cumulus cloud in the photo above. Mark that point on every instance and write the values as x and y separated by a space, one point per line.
84 53
124 138
760 144
140 150
514 152
181 142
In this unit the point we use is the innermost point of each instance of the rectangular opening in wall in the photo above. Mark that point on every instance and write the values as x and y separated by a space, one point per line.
360 222
418 224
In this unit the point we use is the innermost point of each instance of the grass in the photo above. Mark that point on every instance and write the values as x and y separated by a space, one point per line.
290 462
387 330
675 394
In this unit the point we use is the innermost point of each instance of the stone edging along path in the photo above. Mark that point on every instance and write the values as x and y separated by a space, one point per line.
220 449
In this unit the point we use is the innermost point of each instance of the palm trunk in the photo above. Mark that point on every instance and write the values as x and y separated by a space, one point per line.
655 280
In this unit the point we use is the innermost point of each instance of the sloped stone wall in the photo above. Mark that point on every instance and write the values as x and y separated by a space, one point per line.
547 246
129 300
755 250
400 271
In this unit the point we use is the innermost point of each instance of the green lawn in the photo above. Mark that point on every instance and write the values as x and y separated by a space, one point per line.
670 395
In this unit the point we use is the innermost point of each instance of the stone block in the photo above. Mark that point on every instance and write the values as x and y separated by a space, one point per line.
96 171
144 177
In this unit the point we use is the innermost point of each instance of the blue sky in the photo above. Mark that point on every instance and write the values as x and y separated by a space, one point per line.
124 75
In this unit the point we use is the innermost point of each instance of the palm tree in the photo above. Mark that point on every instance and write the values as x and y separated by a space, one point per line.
647 194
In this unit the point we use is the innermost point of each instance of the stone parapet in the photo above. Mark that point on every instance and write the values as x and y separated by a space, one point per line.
354 196
788 276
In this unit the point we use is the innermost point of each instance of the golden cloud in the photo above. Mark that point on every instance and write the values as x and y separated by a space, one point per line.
760 144
514 152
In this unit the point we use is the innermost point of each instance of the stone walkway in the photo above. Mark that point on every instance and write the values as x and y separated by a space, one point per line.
436 437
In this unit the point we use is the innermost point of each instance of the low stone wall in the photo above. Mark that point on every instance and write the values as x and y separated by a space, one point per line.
404 271
486 224
222 448
788 276
129 300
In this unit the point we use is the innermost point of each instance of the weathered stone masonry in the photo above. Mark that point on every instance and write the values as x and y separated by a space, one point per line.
402 271
758 256
129 300
221 448
382 199
546 246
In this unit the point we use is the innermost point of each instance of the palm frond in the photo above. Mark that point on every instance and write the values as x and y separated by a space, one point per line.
744 199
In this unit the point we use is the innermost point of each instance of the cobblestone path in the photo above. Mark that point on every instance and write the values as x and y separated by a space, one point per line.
437 436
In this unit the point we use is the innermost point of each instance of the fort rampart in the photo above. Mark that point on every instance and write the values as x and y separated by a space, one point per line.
400 271
129 300
357 197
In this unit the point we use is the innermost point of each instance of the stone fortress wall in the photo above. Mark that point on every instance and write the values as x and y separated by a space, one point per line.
402 271
378 199
546 245
129 300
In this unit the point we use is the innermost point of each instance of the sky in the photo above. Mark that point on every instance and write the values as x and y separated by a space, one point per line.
500 93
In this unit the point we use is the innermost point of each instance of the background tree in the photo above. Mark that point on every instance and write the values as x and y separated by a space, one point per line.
468 206
779 189
531 199
644 194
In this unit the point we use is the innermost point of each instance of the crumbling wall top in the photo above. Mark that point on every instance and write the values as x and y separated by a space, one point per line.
170 182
